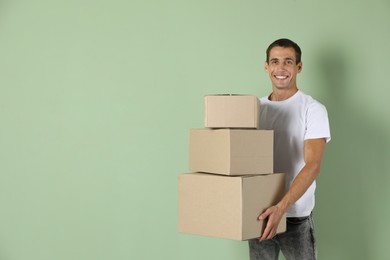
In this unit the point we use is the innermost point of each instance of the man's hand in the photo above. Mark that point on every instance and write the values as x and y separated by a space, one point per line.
273 215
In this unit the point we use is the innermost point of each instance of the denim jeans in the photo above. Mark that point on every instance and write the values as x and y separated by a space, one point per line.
297 243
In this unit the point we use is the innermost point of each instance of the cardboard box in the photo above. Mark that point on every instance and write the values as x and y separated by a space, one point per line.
231 151
231 111
227 206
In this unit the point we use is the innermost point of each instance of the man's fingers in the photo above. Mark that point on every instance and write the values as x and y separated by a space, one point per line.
267 229
270 230
268 233
264 235
265 214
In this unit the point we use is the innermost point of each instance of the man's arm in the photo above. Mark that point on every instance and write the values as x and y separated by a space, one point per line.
313 150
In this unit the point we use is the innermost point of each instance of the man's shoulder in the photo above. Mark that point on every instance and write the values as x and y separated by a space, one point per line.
264 98
310 101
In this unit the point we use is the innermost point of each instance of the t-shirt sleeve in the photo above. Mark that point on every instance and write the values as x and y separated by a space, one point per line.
317 124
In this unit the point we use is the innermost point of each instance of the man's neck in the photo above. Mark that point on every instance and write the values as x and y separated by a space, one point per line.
282 94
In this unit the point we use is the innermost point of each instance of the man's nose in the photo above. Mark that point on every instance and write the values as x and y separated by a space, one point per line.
281 65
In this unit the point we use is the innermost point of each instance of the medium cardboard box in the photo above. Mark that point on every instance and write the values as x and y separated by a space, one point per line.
231 151
231 111
227 206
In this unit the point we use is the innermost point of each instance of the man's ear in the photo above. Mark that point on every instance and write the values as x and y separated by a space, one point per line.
299 67
266 67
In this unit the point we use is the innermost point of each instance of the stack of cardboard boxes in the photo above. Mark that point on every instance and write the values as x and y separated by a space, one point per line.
232 180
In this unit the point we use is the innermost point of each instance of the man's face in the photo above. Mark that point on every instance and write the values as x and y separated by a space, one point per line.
282 68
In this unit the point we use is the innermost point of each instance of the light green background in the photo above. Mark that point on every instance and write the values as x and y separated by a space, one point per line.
96 98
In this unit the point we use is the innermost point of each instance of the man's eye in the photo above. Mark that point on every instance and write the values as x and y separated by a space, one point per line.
289 62
274 62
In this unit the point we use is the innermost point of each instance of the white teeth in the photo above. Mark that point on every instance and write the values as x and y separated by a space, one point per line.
281 77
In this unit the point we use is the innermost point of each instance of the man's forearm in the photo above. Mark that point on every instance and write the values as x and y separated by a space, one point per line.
300 185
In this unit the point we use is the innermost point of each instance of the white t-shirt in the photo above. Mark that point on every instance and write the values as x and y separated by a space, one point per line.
294 120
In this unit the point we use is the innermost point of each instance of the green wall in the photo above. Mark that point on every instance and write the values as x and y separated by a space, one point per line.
96 98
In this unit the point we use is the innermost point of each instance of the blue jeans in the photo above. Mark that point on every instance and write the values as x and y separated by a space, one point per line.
297 243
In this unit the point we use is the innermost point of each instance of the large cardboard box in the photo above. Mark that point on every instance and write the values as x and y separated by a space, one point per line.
231 111
231 151
227 206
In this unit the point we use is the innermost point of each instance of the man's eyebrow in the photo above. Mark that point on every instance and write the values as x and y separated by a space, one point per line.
288 58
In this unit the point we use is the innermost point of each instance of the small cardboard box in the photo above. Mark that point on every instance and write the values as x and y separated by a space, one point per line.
227 206
231 151
231 111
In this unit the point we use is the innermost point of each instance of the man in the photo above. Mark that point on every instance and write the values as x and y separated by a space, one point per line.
301 130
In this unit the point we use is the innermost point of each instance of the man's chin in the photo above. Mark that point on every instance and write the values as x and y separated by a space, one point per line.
281 86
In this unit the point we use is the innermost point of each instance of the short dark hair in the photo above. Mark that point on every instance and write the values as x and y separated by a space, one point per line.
286 43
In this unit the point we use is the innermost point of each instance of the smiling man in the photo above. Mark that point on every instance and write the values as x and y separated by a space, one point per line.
301 129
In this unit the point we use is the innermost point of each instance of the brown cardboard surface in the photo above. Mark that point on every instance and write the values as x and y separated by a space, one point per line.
227 206
231 151
231 111
271 190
